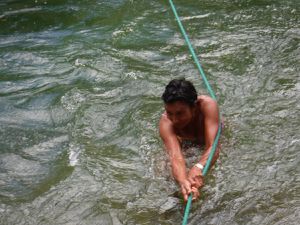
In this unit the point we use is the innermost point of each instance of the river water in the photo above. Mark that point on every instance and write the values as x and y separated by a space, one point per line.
80 87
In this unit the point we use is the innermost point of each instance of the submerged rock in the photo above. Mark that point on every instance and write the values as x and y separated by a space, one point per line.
169 205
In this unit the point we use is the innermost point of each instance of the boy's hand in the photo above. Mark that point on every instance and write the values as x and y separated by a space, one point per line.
195 177
187 189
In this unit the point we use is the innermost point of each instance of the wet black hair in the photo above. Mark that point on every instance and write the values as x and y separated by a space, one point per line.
180 90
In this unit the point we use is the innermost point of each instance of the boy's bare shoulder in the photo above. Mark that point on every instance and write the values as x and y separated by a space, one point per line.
164 121
206 100
165 127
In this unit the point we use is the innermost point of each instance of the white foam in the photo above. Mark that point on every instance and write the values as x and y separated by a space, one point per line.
195 17
74 153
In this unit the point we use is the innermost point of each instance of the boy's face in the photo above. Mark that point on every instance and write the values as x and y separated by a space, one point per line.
180 113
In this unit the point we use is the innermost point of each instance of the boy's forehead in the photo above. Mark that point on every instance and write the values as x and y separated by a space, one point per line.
176 106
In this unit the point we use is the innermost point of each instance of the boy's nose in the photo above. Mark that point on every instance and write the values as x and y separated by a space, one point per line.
175 120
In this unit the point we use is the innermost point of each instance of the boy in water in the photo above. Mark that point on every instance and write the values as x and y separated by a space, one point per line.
188 117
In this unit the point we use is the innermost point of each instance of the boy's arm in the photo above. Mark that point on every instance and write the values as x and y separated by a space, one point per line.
211 122
211 125
177 160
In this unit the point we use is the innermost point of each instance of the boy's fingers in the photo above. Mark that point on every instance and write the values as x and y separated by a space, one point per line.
192 181
196 193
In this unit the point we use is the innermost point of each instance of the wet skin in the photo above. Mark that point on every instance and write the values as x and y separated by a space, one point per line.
199 122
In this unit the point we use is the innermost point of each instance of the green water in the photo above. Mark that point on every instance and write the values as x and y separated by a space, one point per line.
80 87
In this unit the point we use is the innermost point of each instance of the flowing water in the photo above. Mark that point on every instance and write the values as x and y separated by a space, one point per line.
80 87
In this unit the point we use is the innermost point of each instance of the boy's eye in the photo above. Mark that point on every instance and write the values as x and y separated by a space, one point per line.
179 113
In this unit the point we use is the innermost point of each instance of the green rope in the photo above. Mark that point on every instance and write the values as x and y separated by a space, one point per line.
212 94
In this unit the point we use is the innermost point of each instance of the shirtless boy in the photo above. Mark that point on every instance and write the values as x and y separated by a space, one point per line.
188 117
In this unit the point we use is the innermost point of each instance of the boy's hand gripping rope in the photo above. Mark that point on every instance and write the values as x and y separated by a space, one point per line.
212 94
